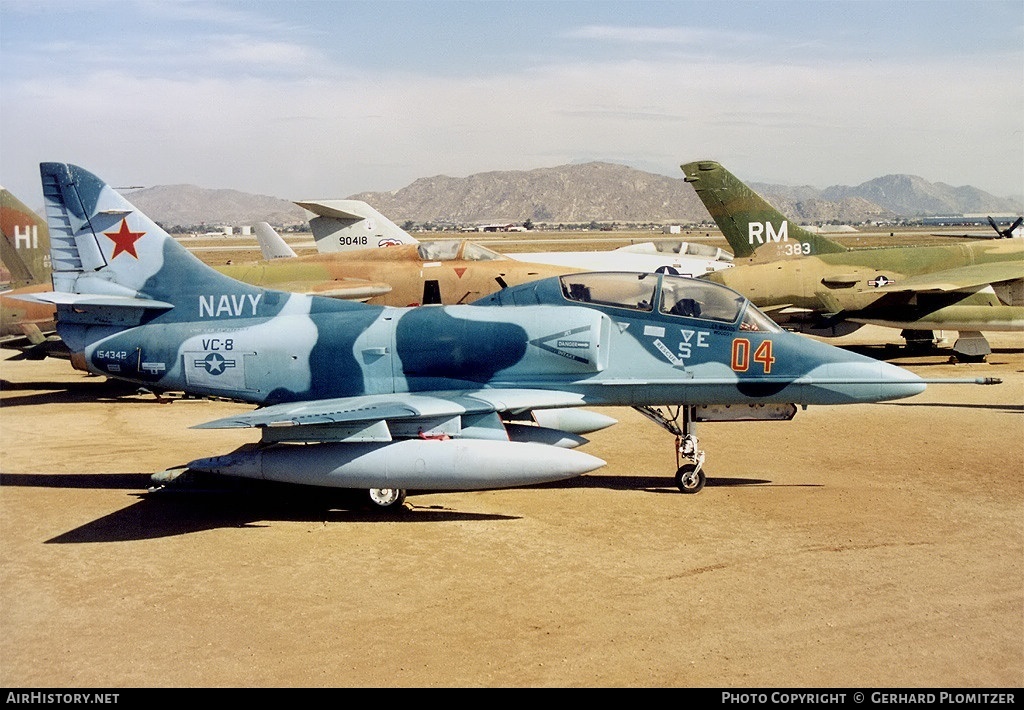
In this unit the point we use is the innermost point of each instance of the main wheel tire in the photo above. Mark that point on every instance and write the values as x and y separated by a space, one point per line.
386 498
688 481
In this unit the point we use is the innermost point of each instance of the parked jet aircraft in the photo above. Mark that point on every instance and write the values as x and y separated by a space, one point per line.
422 273
25 252
387 399
364 226
812 284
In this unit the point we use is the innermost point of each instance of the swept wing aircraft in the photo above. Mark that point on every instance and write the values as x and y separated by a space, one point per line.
809 283
421 273
386 399
665 257
341 225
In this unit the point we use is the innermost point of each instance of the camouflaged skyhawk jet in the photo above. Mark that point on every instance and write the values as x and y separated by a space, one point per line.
385 399
809 283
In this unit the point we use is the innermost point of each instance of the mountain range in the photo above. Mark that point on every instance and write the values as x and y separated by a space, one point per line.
574 194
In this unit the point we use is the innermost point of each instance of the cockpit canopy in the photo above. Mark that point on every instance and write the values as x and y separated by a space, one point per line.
451 249
703 251
670 295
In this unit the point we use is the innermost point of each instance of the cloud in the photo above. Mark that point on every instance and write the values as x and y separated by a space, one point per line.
251 108
679 36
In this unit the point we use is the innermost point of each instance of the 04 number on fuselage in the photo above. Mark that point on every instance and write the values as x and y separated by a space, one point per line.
741 357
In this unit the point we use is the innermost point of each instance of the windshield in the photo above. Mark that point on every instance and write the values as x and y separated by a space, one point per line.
474 252
699 299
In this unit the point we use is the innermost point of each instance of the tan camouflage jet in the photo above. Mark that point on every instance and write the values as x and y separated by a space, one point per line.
809 283
445 272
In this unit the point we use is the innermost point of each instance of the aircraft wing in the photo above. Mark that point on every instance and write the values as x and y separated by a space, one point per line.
422 409
964 277
442 440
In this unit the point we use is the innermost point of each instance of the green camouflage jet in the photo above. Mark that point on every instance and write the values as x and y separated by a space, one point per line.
811 284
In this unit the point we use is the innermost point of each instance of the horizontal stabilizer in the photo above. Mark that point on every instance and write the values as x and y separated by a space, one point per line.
964 277
83 300
339 209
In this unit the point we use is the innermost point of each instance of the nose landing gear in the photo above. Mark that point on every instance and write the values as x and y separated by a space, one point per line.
689 476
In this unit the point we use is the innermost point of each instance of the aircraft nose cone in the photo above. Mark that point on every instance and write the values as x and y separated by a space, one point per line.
897 383
867 380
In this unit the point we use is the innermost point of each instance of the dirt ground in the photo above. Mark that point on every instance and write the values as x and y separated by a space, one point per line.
861 545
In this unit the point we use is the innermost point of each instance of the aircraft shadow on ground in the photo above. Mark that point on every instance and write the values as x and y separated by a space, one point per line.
86 390
651 484
1008 408
891 351
221 502
233 503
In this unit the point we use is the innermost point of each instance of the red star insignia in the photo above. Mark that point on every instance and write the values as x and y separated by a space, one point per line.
124 239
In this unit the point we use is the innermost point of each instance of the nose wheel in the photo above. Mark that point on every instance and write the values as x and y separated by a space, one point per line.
689 476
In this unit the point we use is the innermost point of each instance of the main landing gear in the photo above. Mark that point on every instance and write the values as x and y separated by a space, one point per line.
386 498
689 476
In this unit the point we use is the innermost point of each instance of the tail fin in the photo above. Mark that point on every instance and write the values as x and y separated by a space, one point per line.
25 245
751 225
272 246
344 225
114 266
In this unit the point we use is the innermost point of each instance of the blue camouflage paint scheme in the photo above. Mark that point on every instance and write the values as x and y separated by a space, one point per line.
349 349
136 305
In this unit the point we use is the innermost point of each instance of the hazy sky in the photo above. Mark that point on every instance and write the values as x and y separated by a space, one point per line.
307 100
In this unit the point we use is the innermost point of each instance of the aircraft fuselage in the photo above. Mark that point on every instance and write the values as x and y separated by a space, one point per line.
629 351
